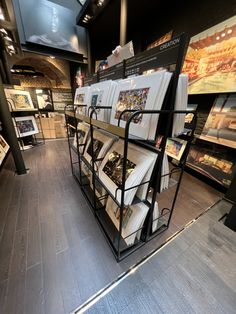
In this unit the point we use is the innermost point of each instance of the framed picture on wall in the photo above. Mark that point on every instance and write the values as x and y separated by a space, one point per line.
25 126
220 126
210 61
44 98
19 99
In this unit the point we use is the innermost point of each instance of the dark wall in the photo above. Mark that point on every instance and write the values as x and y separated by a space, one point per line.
148 20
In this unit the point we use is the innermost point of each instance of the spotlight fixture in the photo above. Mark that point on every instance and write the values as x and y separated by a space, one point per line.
223 35
52 57
100 3
229 31
218 38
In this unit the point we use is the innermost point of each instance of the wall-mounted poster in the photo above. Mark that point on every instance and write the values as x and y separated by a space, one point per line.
218 166
25 126
211 59
220 126
18 99
160 40
61 99
49 24
44 98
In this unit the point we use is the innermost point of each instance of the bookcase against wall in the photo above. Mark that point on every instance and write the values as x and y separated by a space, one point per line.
169 55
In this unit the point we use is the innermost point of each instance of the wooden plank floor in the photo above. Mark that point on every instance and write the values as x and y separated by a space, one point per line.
53 256
194 273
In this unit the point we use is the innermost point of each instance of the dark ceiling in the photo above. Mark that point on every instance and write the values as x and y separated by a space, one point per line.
104 31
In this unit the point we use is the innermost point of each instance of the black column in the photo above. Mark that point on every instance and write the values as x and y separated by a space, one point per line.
9 129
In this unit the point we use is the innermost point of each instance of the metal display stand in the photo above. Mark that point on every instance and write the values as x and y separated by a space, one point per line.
162 56
21 113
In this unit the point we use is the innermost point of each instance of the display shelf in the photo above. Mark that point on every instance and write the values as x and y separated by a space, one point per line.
113 233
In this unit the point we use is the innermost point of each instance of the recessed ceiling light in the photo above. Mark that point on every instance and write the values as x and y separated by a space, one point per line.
52 57
218 37
229 31
223 35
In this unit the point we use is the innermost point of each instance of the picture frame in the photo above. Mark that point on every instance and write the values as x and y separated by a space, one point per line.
44 99
139 160
210 60
175 148
82 97
25 126
101 94
133 219
139 93
19 100
102 141
220 126
3 144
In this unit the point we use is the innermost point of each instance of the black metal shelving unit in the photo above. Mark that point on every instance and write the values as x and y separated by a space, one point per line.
22 113
168 55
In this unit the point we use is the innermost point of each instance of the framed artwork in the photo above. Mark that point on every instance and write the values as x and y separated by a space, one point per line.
3 144
220 126
25 126
175 148
19 99
210 61
139 160
160 40
102 141
144 92
101 95
217 165
133 219
82 96
2 155
83 132
44 98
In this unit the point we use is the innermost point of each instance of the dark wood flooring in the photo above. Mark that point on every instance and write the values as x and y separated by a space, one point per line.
194 273
53 256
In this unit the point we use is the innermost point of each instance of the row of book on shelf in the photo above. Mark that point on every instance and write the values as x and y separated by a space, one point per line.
144 92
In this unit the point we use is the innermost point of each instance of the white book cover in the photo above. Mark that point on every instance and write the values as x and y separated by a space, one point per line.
133 219
136 93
